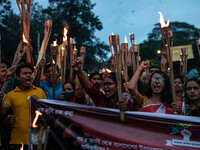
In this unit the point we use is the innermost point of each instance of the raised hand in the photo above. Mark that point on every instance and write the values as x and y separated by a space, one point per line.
77 64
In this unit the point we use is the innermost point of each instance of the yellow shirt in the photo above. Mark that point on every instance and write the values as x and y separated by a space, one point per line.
19 102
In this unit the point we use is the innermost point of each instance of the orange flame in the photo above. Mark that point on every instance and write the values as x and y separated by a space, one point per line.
22 146
37 114
108 70
65 34
24 39
53 61
62 50
162 22
125 40
54 43
71 41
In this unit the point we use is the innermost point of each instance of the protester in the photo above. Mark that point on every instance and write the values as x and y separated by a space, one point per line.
13 83
159 97
178 84
193 73
192 97
96 78
110 98
18 101
47 85
73 94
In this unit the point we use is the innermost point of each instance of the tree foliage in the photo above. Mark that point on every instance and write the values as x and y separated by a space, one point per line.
83 23
77 14
183 34
9 29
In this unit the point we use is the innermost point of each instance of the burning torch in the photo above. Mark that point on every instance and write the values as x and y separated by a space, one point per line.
167 39
117 57
54 52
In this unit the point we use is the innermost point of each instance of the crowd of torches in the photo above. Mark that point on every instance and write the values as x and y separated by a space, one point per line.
120 55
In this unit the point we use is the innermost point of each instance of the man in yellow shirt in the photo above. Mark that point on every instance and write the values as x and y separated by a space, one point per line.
19 101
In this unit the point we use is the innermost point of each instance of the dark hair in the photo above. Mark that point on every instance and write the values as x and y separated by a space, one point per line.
5 61
191 79
179 77
72 84
49 64
154 67
23 66
166 94
93 74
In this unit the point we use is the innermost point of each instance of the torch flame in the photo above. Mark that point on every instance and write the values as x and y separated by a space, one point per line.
37 114
162 22
65 34
108 70
24 39
54 43
22 147
54 62
125 40
62 48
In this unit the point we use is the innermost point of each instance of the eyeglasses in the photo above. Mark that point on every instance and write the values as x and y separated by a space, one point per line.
108 84
157 79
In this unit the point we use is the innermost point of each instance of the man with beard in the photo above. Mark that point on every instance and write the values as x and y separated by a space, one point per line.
47 85
19 101
95 78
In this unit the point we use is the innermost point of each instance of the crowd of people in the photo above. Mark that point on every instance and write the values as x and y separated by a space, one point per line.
150 93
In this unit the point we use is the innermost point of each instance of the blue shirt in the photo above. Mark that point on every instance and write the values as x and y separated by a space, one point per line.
48 89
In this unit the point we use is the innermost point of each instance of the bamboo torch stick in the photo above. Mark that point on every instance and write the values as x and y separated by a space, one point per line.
167 32
24 48
42 53
163 60
47 34
3 88
198 46
132 38
74 52
115 46
0 49
40 137
54 52
64 55
29 4
184 62
17 58
24 19
124 49
46 138
71 59
17 52
181 64
82 53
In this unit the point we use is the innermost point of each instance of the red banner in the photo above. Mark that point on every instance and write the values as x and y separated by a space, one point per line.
76 126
